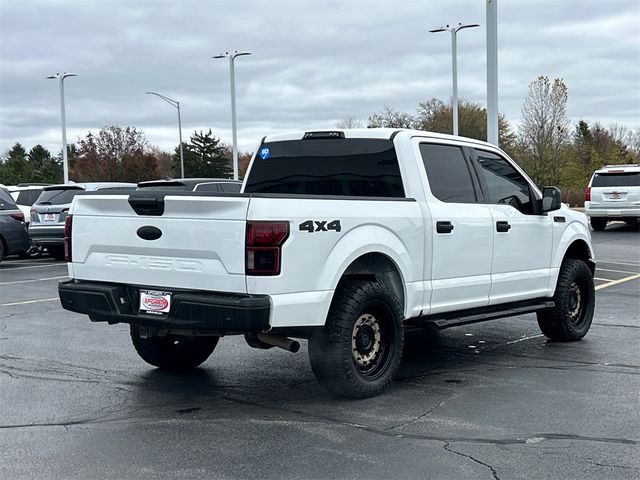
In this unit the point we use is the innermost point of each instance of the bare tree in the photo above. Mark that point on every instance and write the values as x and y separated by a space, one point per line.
391 118
545 129
350 122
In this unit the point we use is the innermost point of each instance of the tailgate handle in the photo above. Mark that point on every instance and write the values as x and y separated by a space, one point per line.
147 205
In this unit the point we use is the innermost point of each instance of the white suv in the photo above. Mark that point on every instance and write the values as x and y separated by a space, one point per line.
613 194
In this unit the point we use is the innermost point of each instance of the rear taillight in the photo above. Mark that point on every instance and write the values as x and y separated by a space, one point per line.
18 216
264 247
587 194
68 222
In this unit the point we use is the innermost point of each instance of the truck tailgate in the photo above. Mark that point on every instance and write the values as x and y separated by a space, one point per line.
200 247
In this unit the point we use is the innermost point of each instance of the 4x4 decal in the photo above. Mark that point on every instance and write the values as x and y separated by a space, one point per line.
312 226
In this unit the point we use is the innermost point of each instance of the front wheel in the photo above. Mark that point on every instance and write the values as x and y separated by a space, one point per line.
359 350
570 318
173 352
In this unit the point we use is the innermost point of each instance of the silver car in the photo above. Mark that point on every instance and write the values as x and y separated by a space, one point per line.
51 208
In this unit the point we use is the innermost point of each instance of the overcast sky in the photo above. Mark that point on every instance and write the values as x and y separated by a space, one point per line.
314 62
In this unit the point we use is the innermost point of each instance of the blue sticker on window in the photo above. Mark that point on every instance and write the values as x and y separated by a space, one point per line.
264 153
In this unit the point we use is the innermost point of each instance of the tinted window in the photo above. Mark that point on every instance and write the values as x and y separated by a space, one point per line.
230 187
58 196
6 202
207 187
504 183
626 179
28 197
448 173
328 166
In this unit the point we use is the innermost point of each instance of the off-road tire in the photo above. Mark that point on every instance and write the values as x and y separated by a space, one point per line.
570 318
173 352
358 352
56 251
598 224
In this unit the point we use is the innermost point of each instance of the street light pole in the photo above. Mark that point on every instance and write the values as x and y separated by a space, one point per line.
175 104
65 166
454 66
232 81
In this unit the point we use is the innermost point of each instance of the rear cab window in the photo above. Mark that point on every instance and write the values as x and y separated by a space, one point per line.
355 167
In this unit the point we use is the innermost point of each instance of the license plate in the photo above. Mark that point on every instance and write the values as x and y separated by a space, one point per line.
615 196
49 217
155 302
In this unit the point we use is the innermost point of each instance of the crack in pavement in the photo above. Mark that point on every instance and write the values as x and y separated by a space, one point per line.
616 325
493 470
428 412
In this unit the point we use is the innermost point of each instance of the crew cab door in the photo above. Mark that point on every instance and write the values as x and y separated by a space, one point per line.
523 238
460 227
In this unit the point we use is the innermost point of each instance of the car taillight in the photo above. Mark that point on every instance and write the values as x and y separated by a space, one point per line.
68 222
264 247
18 216
587 194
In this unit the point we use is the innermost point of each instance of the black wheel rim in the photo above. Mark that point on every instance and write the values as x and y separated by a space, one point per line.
371 342
578 298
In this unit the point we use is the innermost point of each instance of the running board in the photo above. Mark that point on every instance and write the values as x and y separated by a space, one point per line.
476 315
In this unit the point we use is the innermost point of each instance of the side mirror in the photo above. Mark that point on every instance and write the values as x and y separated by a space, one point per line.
550 199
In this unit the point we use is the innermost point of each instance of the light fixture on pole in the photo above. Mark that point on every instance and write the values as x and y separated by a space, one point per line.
61 77
454 66
176 104
232 81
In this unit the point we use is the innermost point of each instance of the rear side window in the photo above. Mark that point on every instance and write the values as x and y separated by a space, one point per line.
448 173
328 166
58 196
6 202
28 197
622 179
230 187
207 187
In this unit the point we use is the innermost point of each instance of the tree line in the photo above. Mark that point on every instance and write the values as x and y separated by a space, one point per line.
118 153
545 144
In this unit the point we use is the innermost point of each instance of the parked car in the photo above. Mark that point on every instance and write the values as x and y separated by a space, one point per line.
221 185
25 196
613 194
51 208
14 239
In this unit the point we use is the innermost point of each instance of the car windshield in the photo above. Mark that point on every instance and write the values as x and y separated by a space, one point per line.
58 196
622 179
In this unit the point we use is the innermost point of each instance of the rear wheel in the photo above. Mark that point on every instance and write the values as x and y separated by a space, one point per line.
56 251
359 350
173 352
598 224
570 318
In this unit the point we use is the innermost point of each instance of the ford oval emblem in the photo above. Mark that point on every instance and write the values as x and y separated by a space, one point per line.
149 232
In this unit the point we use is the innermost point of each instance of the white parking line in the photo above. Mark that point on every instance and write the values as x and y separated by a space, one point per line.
29 301
35 266
33 280
595 278
616 271
619 263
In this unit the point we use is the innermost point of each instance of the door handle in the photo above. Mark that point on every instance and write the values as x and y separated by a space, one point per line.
503 226
444 227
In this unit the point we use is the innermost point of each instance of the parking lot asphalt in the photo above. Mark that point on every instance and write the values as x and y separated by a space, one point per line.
494 400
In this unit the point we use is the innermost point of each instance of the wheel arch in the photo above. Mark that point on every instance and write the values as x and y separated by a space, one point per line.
579 249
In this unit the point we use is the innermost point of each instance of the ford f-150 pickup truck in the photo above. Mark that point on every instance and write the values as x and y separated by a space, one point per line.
344 238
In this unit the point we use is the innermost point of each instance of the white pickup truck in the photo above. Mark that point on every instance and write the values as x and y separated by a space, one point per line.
340 237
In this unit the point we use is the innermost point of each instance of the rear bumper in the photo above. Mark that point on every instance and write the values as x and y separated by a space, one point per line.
50 235
612 212
199 311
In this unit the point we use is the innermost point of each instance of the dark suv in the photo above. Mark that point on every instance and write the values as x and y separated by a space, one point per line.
51 208
14 239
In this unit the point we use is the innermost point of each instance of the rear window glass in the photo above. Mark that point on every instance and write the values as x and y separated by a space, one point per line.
230 187
622 179
58 196
6 202
28 197
342 167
